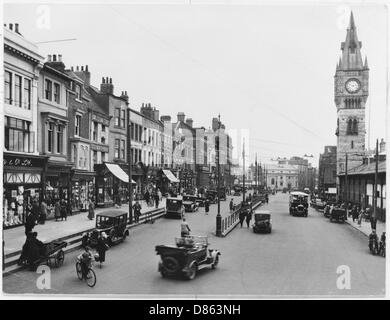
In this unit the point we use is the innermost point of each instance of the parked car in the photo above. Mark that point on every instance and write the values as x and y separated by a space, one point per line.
212 196
190 255
190 204
299 204
112 223
338 214
174 208
263 221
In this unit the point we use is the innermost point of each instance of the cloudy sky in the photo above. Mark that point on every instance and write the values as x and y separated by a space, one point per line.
268 70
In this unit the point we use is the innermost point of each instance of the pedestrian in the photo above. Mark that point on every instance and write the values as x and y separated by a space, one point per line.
354 213
57 210
248 217
102 247
156 199
43 212
207 206
159 194
242 215
146 197
370 213
137 211
185 229
91 210
231 205
64 210
360 217
36 210
30 223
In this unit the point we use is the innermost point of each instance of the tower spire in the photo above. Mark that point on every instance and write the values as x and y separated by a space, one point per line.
351 55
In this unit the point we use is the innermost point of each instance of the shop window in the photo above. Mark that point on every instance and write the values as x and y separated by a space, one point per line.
8 87
27 94
81 157
17 135
85 165
32 178
48 89
18 91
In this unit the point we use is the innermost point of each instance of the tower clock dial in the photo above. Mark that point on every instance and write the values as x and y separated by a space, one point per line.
352 85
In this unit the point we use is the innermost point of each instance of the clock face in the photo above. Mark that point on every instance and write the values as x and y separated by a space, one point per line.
352 85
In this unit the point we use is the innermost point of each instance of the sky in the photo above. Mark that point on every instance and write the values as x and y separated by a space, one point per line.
266 69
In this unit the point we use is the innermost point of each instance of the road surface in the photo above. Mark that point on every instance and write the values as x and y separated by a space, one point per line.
300 258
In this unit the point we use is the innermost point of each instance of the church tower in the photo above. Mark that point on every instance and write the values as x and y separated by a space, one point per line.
350 96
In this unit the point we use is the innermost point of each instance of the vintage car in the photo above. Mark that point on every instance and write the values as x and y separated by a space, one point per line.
212 196
338 214
201 200
190 255
174 208
113 223
299 204
237 190
190 204
263 221
320 204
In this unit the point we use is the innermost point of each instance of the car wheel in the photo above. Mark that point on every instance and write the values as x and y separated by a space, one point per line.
171 264
191 274
216 261
163 273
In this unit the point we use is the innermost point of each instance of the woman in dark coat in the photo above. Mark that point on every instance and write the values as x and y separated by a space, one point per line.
248 217
242 215
101 248
207 206
91 210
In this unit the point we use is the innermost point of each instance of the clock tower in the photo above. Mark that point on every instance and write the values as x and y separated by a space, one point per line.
350 96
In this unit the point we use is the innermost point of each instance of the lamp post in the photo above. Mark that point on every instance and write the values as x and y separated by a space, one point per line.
243 171
219 218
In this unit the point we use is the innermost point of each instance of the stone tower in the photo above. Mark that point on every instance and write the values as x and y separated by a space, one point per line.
350 96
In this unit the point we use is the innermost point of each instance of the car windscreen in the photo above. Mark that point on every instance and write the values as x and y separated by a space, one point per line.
173 205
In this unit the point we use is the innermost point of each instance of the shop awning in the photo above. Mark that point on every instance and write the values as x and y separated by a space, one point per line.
170 176
117 171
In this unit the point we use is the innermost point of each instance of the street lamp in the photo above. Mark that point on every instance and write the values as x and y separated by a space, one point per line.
129 161
219 218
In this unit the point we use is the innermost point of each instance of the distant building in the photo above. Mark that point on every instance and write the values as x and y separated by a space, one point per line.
327 171
282 176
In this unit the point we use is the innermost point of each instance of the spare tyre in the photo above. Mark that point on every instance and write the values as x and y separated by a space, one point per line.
171 264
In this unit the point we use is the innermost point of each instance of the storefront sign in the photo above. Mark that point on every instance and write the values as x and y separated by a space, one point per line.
99 148
16 161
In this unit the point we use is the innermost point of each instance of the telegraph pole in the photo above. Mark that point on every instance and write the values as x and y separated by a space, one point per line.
346 179
376 182
129 161
243 171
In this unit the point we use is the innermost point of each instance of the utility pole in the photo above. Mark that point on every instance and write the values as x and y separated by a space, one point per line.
376 182
346 179
219 217
129 162
243 171
256 173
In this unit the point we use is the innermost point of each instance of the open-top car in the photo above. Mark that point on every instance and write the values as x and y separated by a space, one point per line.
113 223
174 208
187 257
190 203
263 221
299 204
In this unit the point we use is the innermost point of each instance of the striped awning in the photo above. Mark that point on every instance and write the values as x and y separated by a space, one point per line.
117 171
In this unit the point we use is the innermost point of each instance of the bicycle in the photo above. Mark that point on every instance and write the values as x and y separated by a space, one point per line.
88 275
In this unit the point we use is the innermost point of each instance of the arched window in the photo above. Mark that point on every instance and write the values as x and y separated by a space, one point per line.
349 126
355 127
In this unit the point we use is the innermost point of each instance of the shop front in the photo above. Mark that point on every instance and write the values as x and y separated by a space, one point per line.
82 189
111 185
169 182
57 185
23 181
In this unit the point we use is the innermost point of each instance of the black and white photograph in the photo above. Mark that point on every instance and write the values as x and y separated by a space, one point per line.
194 150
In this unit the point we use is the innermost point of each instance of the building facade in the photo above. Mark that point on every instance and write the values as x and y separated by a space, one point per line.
23 167
327 171
282 176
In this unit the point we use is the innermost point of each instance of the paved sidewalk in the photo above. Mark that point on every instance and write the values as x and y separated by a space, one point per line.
366 226
14 238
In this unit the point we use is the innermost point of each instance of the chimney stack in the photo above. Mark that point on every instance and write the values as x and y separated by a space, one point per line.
17 28
49 58
106 86
56 63
54 58
165 118
11 26
215 124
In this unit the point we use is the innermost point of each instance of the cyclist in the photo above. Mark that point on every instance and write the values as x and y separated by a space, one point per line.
85 261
